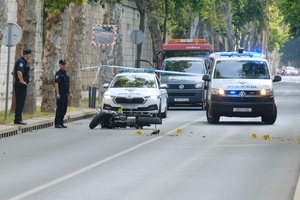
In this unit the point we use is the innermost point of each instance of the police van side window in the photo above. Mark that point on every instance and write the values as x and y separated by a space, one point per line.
241 69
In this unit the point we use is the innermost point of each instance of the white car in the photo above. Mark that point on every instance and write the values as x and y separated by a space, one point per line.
291 71
136 92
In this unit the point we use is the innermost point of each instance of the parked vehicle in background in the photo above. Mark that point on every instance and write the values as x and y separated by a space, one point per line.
241 85
182 48
183 78
290 71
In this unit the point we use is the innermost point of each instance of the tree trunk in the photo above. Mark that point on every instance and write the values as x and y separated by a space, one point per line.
254 38
74 50
154 28
52 55
107 52
216 41
3 19
228 20
118 50
141 27
195 28
27 21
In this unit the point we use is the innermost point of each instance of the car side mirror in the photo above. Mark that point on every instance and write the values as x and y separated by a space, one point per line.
277 78
206 77
105 85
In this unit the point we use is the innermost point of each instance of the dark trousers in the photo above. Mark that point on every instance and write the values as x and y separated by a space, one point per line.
61 109
21 92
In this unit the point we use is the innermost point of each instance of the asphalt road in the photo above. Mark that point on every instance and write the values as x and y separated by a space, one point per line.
209 162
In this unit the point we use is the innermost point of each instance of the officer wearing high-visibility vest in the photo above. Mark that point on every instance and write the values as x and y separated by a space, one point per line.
62 92
21 74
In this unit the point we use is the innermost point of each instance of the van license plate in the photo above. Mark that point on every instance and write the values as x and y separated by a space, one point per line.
181 99
242 109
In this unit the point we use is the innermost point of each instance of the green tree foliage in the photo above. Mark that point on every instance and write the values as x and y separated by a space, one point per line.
278 30
246 11
290 50
291 11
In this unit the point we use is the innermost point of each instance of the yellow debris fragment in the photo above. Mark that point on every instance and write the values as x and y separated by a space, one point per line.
139 132
266 137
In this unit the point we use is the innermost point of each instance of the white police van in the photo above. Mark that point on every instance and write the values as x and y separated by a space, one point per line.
240 85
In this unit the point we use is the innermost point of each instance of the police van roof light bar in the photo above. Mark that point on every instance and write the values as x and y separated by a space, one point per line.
251 54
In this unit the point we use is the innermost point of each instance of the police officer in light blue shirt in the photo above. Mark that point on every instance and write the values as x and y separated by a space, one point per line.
62 92
21 75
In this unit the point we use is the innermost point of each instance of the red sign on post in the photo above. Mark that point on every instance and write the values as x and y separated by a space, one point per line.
104 35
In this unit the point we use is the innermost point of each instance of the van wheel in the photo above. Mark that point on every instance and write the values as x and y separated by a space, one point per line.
212 119
270 119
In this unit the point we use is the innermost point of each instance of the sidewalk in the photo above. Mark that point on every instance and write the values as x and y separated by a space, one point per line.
39 123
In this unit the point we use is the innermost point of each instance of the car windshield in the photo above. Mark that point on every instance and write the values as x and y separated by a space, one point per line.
240 69
187 66
133 81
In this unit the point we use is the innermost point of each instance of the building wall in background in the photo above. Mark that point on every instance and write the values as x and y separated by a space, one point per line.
129 21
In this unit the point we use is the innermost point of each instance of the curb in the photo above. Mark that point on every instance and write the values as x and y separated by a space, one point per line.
297 191
40 123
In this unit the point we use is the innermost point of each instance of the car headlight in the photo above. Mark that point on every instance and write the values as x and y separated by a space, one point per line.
198 85
267 92
215 91
107 96
152 97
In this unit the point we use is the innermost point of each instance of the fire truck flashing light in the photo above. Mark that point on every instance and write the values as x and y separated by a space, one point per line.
174 41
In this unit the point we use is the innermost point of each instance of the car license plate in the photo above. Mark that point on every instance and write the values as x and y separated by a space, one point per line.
181 99
128 106
242 109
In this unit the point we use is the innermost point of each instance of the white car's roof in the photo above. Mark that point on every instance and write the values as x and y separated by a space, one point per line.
136 73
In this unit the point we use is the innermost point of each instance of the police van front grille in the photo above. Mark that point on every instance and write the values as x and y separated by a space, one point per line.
237 92
120 100
186 86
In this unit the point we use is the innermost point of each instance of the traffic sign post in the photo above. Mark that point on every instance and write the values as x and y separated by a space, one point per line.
12 37
137 37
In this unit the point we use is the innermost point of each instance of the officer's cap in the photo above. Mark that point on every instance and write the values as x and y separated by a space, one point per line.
62 62
26 51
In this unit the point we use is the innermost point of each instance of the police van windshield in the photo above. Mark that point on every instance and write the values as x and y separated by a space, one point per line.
187 66
241 69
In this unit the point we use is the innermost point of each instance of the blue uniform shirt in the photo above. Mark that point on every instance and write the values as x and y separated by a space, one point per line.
63 80
21 65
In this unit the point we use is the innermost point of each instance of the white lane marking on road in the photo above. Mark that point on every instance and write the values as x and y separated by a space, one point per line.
80 171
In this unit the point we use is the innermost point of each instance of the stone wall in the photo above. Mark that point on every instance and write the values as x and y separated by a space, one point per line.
128 22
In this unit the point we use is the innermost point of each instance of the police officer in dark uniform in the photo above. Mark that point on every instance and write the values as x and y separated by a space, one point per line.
62 91
21 75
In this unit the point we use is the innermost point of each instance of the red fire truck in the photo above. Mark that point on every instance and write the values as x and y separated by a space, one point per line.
183 48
